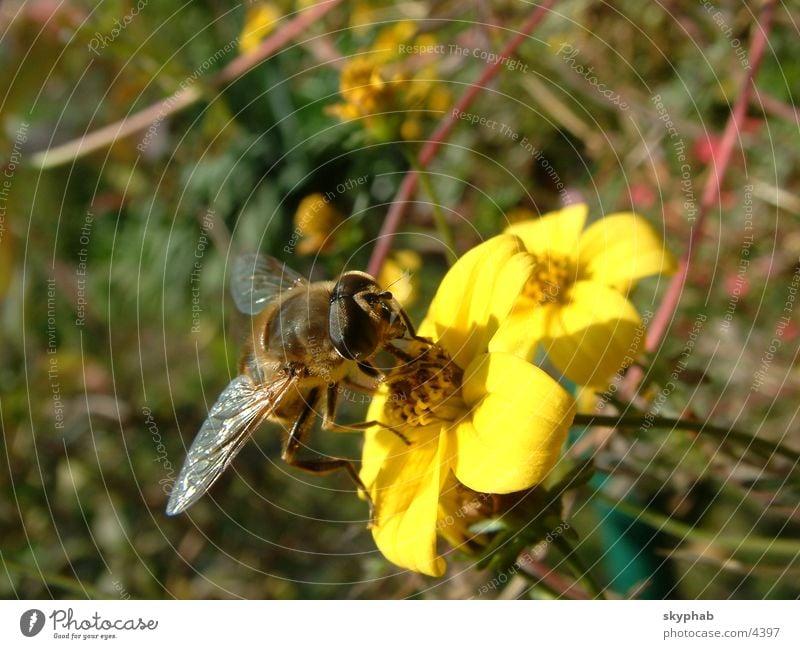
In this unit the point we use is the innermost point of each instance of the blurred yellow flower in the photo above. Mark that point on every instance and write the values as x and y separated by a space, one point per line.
259 21
439 99
398 275
494 420
392 86
364 89
411 129
363 15
574 303
389 40
314 222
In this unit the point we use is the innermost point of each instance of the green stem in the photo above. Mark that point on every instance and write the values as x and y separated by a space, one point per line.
67 583
762 446
537 584
579 570
442 226
782 548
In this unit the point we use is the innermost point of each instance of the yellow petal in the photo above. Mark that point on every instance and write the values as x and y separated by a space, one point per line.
620 249
554 232
588 400
411 129
524 328
520 421
399 32
398 275
520 214
591 337
406 495
476 296
260 20
379 442
458 508
440 98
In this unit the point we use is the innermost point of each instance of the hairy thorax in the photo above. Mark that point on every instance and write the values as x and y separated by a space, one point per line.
291 337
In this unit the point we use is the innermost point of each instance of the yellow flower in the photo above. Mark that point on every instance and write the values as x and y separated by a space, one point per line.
494 420
439 99
364 89
411 129
259 21
390 89
574 303
398 275
314 221
362 16
389 39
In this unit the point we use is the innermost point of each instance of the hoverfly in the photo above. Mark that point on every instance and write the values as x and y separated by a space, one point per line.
305 339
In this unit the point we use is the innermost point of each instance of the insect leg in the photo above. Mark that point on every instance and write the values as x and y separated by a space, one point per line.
329 418
330 405
401 355
323 466
364 425
320 465
370 370
301 425
410 330
359 387
398 353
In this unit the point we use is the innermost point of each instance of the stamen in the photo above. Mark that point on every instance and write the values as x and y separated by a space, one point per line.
550 278
424 391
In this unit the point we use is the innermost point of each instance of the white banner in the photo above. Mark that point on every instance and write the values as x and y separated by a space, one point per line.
390 624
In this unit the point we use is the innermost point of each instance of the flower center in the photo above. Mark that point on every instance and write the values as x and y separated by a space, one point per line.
550 278
426 390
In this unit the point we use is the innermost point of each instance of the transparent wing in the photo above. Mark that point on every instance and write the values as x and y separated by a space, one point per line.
241 407
258 279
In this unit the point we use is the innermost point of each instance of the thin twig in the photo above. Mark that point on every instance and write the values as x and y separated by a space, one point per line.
286 34
626 422
785 549
182 98
711 193
536 571
581 573
442 226
769 104
68 584
561 112
442 132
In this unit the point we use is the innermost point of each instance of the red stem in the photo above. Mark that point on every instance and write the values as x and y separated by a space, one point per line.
554 580
711 193
443 130
276 41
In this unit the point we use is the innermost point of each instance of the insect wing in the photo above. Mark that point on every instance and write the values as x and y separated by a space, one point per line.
240 409
259 279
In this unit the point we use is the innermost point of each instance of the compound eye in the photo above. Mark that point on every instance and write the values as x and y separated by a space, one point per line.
351 330
355 303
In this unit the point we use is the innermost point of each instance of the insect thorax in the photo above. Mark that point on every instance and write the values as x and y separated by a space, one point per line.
297 332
